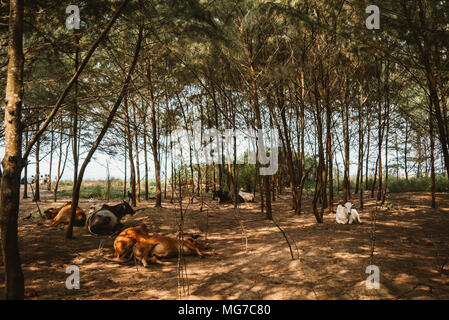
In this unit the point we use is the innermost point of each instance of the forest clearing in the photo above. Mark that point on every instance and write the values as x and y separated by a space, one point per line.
224 150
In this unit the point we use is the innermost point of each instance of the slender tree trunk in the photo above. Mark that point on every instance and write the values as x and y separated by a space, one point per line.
75 120
320 168
406 150
289 156
367 151
125 165
76 194
37 193
359 161
386 158
302 164
265 187
132 168
165 166
136 142
25 182
173 177
51 161
432 157
346 182
58 178
145 153
419 160
12 162
380 140
155 139
329 152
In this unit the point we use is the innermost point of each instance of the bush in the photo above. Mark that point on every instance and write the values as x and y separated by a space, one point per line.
417 184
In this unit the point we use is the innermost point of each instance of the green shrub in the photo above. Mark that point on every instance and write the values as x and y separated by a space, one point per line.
417 184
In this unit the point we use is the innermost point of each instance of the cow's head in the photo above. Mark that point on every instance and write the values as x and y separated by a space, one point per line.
51 213
127 209
348 206
80 218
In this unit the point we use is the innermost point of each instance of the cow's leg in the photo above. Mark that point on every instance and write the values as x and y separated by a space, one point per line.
194 248
154 259
54 224
144 262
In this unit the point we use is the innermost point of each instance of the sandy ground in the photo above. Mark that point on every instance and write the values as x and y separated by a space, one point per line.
410 248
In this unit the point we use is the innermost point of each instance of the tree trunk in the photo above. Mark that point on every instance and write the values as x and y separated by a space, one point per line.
405 150
155 138
37 193
346 182
329 152
58 178
125 165
25 176
76 194
132 168
367 152
136 141
51 161
289 155
75 121
12 162
265 186
145 153
432 156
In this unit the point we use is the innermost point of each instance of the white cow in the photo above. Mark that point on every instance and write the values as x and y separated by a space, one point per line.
341 216
347 215
247 197
354 217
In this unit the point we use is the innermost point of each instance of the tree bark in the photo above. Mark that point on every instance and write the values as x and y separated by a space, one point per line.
154 141
132 168
12 162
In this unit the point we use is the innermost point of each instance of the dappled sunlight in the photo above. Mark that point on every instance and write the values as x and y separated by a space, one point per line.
330 259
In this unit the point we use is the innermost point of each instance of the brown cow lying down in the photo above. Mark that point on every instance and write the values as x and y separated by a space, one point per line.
151 249
51 213
64 213
126 240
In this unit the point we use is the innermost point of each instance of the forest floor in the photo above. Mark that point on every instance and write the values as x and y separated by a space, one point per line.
410 249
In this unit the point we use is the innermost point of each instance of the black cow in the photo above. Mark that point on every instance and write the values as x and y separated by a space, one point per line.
224 197
106 220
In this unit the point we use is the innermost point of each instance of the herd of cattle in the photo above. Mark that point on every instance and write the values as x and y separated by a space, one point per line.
133 242
136 242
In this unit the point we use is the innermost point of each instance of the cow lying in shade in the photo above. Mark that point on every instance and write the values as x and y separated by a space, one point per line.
246 196
63 214
224 197
347 215
106 220
154 248
125 241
